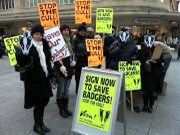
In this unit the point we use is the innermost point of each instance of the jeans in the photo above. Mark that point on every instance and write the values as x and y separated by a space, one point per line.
63 88
166 66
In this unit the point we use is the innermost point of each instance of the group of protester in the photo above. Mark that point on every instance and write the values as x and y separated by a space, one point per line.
37 71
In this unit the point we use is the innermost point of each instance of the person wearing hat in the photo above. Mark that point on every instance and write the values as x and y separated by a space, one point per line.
37 78
90 33
81 53
66 71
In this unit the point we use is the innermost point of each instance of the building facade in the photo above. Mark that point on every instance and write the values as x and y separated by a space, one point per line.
142 16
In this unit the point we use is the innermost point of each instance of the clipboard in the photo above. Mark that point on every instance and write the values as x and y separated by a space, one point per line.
157 53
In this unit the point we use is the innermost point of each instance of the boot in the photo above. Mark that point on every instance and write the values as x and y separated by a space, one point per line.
61 108
67 111
45 128
38 129
38 115
145 107
151 103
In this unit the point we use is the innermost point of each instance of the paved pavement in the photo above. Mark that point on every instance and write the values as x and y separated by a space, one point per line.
15 120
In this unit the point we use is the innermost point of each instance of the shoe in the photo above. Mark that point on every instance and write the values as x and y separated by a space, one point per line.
67 111
137 109
145 108
150 109
38 129
45 128
61 108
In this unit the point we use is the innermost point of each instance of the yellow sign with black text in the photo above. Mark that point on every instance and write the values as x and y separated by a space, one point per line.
104 20
97 100
132 74
10 43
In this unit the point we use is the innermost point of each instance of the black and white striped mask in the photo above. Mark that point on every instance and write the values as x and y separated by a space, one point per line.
26 42
124 35
149 40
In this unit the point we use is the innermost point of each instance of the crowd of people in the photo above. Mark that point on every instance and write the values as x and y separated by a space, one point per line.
37 71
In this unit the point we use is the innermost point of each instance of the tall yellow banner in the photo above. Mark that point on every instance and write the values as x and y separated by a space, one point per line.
97 99
83 11
95 47
49 16
10 43
132 74
104 20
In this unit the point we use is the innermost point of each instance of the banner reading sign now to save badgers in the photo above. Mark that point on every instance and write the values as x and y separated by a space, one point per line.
59 49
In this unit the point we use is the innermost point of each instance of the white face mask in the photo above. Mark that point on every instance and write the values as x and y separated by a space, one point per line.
124 36
149 40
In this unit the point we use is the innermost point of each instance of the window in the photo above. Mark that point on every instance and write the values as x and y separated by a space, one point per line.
6 4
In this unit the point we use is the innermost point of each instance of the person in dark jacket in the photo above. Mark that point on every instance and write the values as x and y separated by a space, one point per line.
109 39
150 73
66 71
123 49
37 78
81 53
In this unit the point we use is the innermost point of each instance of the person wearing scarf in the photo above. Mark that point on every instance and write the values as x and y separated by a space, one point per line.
66 70
37 79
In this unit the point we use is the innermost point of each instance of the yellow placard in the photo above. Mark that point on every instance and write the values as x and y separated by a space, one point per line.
97 99
95 47
49 16
132 74
104 20
10 43
83 11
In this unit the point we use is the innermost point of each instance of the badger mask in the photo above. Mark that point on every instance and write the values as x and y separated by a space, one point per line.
26 42
149 40
124 36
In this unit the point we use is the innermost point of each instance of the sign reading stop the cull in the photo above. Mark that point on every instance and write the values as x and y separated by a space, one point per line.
95 47
49 16
10 43
83 9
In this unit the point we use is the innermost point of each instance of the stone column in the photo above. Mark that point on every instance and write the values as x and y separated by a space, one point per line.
18 4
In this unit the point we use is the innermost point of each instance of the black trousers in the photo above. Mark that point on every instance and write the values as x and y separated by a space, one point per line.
77 77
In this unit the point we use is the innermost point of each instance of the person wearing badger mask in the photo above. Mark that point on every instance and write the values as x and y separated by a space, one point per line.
66 71
37 76
123 49
150 73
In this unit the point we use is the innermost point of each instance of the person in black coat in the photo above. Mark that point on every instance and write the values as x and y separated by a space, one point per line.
109 39
150 73
81 53
123 49
37 76
66 70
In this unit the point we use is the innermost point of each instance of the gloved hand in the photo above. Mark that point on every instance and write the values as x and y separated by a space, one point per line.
73 63
63 70
129 61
